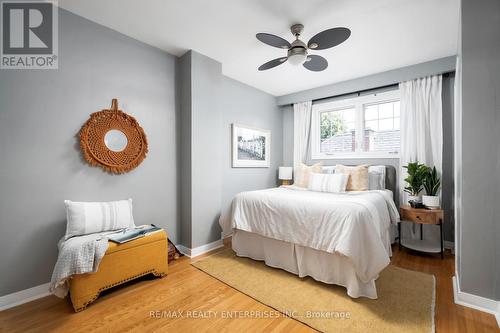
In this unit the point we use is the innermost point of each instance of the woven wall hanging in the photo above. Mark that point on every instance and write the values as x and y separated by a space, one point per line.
113 140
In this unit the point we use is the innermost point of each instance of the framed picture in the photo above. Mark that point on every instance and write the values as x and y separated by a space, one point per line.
251 147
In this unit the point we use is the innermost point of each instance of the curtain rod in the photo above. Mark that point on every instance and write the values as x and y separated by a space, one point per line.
359 92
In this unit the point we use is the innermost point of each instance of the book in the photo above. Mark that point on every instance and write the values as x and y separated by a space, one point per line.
130 234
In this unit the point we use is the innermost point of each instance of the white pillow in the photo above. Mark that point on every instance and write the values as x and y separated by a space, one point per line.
376 177
88 217
333 183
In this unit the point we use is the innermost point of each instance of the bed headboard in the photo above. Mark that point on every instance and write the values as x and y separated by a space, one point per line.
391 179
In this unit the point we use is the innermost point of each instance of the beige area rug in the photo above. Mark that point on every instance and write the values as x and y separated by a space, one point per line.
405 303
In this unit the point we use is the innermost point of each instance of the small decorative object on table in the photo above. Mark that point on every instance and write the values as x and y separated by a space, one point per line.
415 180
422 216
431 185
285 175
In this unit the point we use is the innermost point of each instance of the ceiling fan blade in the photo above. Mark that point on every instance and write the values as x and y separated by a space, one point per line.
329 38
315 63
273 63
273 40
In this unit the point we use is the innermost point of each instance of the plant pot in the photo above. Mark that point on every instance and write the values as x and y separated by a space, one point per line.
431 201
414 198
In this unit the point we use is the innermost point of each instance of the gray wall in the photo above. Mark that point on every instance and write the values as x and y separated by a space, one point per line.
448 171
479 267
262 112
211 105
183 84
42 112
206 136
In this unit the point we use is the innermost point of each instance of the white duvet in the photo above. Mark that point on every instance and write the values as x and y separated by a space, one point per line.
353 224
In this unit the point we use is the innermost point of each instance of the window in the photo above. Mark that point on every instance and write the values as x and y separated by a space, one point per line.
338 130
365 126
381 130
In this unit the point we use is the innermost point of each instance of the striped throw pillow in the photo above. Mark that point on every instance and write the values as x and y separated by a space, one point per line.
84 218
333 183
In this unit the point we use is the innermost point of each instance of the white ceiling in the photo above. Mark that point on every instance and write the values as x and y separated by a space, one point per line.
386 34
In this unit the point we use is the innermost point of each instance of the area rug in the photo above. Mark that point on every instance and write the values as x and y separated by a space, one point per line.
405 304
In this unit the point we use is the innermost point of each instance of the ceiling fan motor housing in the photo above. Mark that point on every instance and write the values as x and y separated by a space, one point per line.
297 51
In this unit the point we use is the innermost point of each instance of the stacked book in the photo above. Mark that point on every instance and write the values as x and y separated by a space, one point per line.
130 234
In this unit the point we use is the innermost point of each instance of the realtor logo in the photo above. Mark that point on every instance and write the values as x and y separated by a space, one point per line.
29 35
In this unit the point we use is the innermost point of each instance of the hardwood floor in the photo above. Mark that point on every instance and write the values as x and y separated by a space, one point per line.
132 307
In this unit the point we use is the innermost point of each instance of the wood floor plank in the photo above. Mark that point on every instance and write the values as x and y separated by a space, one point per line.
128 308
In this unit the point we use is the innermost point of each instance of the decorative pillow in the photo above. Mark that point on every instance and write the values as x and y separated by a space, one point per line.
333 183
358 176
88 217
303 172
376 177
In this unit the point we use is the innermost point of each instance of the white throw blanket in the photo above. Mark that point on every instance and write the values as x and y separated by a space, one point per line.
353 224
77 255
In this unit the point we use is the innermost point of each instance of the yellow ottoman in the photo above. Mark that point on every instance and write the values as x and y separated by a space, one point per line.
121 263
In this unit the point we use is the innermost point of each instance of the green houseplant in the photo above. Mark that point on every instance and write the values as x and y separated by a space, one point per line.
416 175
432 183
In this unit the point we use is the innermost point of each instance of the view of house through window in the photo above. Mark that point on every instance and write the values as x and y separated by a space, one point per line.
381 132
366 125
338 131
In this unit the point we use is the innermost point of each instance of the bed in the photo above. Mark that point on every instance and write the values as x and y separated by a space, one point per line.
336 238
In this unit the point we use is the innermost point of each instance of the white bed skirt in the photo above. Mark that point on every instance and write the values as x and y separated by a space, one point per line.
303 261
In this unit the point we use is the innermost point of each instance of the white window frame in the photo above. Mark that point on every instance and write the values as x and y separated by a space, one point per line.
358 103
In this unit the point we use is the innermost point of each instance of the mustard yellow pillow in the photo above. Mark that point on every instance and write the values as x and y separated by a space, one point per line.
303 172
358 176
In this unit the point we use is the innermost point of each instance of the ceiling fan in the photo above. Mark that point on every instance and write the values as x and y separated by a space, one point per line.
297 50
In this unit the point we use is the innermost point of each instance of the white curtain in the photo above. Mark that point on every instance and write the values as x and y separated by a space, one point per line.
302 113
421 125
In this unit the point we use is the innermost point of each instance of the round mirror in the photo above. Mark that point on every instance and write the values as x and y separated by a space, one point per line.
115 140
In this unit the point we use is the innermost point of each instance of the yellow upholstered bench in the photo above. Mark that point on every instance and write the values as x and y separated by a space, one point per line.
121 263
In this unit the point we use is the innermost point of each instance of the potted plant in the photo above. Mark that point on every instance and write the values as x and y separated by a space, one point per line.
431 185
415 180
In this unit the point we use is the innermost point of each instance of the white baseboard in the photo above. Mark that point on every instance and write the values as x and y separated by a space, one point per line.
194 252
24 296
184 250
475 302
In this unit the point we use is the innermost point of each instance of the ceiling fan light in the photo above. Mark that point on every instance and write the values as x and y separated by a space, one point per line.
297 59
297 55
